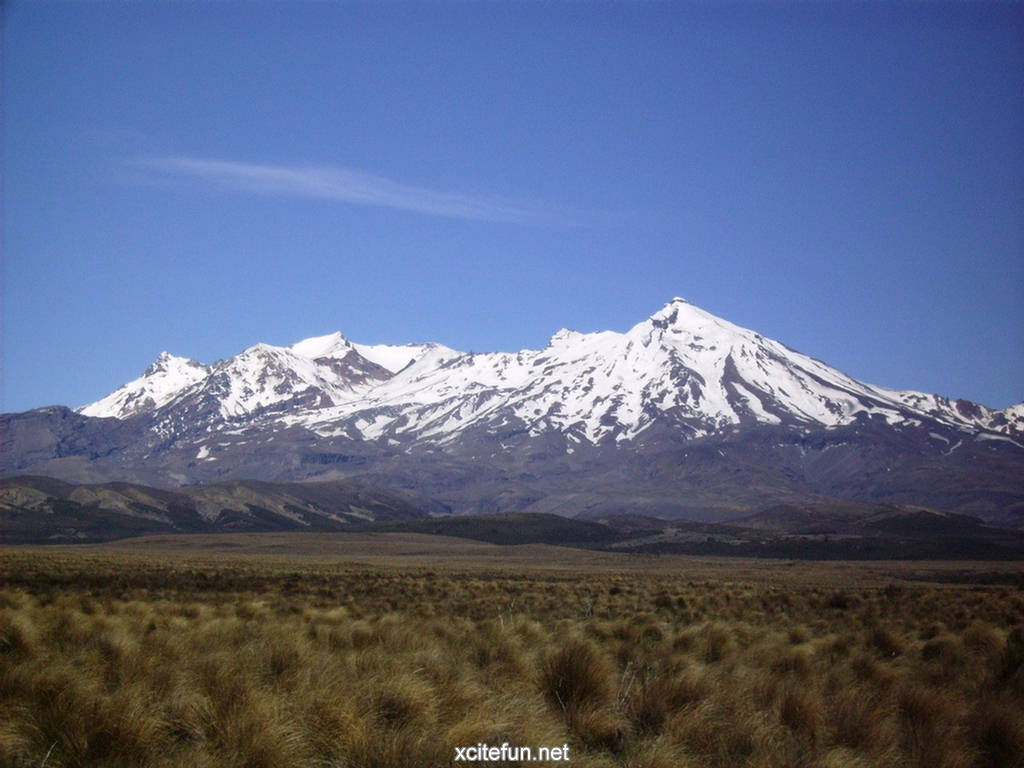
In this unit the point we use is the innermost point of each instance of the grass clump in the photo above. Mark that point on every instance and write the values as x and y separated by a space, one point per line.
576 676
108 660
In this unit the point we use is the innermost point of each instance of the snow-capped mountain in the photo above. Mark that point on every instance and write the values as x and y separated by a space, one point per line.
682 368
312 374
682 415
162 381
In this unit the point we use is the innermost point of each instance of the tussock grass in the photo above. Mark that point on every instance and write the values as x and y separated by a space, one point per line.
114 661
576 676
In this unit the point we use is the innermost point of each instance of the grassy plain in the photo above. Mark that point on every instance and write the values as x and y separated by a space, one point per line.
391 650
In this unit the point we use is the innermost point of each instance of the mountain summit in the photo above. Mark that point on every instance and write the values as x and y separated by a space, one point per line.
161 382
684 414
682 368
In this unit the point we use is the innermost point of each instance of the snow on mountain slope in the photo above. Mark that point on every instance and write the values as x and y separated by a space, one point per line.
265 376
333 345
682 367
395 357
1009 421
317 372
391 357
161 382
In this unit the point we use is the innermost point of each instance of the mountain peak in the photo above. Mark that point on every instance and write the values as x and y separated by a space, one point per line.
563 335
682 315
165 362
161 382
315 347
682 367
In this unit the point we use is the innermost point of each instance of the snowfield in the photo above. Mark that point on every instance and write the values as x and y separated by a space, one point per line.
682 366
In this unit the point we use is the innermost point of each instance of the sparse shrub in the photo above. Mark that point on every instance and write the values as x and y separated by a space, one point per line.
715 642
716 732
840 601
884 642
659 753
983 639
280 657
16 637
798 635
576 676
399 702
1011 665
926 719
998 735
793 661
892 591
598 728
649 699
835 648
107 660
801 712
859 722
188 717
937 648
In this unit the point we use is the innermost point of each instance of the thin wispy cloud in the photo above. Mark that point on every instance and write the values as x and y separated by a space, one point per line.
345 185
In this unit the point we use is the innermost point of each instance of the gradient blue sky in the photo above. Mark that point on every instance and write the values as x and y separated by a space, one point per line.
847 178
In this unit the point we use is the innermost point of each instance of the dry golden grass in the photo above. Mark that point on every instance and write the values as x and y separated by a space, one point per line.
174 658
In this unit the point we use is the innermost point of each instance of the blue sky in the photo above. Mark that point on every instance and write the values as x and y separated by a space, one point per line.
847 178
